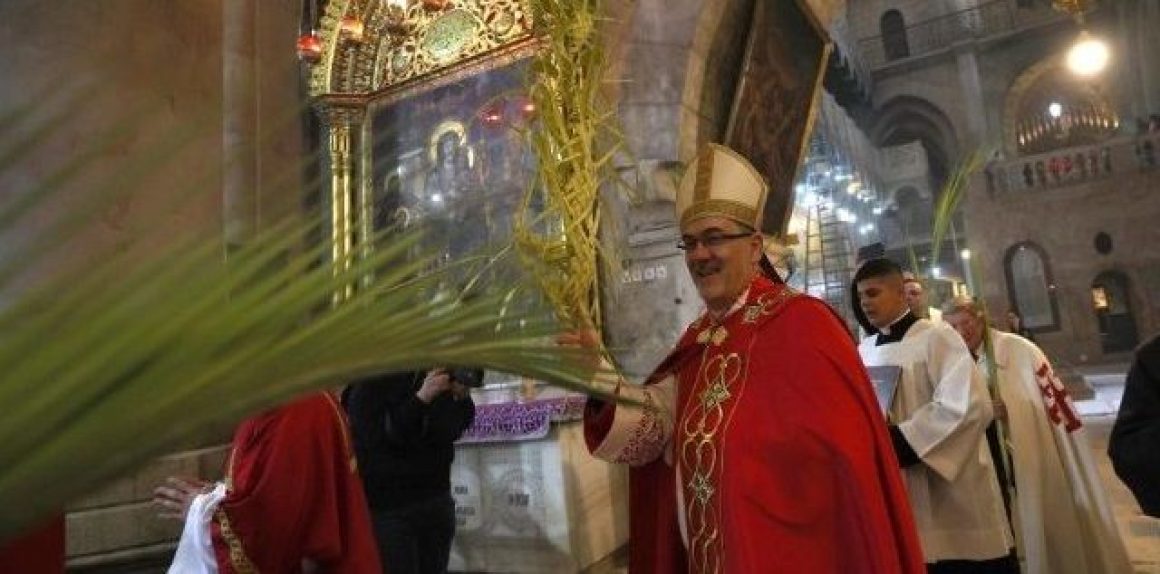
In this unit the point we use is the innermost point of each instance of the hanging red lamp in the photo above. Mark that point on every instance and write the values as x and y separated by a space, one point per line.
310 47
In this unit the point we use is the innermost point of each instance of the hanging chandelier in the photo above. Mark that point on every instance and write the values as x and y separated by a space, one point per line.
1088 55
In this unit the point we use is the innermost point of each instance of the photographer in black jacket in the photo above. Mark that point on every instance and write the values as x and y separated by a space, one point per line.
404 427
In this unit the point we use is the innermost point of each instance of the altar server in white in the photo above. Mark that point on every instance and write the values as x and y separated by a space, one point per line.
937 422
1065 523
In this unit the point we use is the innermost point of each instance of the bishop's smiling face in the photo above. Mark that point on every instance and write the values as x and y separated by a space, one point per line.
722 258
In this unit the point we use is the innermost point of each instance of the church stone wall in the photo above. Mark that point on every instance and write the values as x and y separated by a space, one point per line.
149 73
1064 222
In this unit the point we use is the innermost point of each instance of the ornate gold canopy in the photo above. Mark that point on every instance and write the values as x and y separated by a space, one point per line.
369 46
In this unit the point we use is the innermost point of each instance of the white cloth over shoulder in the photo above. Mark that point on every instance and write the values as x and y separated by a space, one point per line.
195 553
1066 524
942 409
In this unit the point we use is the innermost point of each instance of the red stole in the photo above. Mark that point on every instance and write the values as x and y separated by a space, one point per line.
294 493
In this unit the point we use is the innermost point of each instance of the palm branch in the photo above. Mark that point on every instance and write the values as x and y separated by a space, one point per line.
576 139
162 342
951 197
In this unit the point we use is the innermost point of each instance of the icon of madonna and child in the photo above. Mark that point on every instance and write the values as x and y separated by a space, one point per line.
454 162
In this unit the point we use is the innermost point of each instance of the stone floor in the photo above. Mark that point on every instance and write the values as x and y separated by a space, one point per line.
1141 534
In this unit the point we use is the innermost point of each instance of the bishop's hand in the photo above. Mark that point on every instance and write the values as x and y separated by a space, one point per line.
603 377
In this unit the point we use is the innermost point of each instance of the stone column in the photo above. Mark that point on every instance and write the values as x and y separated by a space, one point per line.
1148 54
972 94
239 122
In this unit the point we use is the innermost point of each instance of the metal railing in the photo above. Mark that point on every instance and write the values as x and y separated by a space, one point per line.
991 18
1075 165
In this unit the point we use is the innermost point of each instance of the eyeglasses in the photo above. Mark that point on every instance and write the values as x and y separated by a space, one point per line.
711 240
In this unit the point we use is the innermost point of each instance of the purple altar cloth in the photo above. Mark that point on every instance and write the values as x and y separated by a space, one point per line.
520 421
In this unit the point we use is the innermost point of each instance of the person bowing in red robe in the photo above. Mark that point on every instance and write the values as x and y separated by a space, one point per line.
291 501
758 445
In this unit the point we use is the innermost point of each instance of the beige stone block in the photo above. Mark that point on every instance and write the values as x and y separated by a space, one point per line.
139 486
651 130
656 74
115 528
667 21
204 463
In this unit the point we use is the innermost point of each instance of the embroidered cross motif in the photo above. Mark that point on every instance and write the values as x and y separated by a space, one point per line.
763 305
715 335
752 312
714 395
1056 400
702 488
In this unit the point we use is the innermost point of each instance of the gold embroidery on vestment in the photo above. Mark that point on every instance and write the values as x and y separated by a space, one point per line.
701 455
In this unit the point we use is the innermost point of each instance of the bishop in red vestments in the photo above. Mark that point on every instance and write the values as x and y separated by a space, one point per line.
292 500
757 446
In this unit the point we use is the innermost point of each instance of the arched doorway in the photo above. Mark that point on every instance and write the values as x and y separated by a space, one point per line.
1112 305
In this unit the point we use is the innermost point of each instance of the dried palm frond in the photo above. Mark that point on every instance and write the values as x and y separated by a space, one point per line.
951 197
575 139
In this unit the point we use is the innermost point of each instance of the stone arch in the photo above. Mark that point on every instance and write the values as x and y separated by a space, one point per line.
711 74
904 119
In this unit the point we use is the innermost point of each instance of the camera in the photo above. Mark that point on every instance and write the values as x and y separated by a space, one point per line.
470 378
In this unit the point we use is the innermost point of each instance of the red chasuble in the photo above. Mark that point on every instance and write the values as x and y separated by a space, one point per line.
40 551
775 455
293 493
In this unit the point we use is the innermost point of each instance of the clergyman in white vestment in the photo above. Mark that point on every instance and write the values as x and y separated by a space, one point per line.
1065 522
937 422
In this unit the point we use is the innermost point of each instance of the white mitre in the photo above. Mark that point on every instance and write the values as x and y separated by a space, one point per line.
721 183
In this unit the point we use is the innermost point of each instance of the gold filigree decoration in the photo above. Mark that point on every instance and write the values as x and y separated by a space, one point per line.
765 304
702 488
391 52
715 335
714 395
700 453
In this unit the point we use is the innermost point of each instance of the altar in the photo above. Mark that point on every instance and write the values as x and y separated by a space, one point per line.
528 495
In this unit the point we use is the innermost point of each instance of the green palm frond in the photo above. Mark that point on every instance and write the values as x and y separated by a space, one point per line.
142 355
951 197
161 342
953 193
